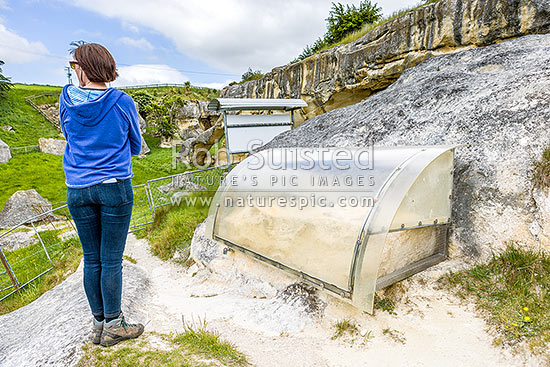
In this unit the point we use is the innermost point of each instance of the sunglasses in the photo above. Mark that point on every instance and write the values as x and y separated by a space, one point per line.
73 64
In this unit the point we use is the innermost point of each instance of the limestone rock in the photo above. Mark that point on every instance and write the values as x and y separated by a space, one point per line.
195 148
494 99
8 128
347 74
23 205
52 330
5 153
52 146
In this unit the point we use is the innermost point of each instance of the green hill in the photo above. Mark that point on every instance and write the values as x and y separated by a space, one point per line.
44 172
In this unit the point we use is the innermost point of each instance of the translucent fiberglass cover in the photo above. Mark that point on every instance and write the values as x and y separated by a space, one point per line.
304 207
309 209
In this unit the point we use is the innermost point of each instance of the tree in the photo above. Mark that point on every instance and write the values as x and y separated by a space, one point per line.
251 75
342 21
5 83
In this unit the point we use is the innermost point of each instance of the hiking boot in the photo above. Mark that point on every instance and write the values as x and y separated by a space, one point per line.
97 329
118 330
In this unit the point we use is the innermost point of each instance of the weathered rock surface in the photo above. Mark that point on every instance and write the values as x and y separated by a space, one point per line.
8 128
23 205
52 330
5 153
142 125
194 149
347 74
494 99
52 146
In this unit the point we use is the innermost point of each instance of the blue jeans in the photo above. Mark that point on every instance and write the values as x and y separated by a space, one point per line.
102 216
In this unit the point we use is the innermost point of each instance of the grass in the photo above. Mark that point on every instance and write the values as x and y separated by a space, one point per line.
541 170
345 326
351 37
384 304
158 162
194 347
30 261
513 292
29 125
44 172
194 93
40 171
173 228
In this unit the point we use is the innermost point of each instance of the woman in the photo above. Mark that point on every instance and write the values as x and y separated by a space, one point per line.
101 127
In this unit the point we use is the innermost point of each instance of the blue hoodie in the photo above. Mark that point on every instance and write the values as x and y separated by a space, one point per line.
101 135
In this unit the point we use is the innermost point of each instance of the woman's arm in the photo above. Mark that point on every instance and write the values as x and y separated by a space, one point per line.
134 131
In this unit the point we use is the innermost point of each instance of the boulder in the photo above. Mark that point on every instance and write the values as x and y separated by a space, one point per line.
5 154
22 206
346 74
494 99
8 128
52 330
142 126
194 150
52 146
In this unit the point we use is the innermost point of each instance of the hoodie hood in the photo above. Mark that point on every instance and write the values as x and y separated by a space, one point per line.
92 112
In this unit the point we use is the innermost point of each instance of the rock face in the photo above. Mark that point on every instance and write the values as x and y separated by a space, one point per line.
494 99
5 153
21 206
51 330
52 146
347 74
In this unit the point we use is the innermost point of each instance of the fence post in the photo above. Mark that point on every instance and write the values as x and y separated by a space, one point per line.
7 266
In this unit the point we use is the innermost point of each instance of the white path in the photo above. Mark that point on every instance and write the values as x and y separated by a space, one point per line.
435 328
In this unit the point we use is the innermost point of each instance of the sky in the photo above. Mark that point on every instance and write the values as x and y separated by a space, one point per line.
208 43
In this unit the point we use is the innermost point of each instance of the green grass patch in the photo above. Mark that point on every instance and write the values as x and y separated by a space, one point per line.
29 261
194 347
344 327
40 171
513 291
173 228
158 163
541 170
29 125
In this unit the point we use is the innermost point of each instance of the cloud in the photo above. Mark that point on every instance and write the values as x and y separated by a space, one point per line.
230 35
213 85
141 43
129 27
148 74
16 49
4 5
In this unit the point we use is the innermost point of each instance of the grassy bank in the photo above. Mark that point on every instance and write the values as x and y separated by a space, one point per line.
29 125
173 228
44 172
513 292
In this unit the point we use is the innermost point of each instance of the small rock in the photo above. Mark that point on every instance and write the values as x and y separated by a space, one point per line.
5 154
52 146
8 128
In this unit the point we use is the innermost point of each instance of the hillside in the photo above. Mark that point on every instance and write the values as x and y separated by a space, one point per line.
44 172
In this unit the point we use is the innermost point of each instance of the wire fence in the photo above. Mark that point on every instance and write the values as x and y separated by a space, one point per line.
24 150
32 248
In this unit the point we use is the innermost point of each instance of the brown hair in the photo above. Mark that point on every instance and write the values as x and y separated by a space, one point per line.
97 62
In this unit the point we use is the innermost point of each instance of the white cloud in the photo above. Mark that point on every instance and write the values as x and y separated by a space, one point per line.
148 74
4 5
16 49
129 27
141 43
231 35
214 85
